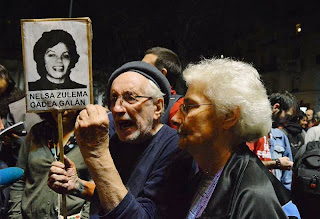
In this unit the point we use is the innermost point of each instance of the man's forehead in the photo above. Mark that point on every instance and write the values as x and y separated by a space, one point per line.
148 71
129 80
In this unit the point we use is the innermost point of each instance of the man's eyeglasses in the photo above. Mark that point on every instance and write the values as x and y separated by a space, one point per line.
185 108
126 97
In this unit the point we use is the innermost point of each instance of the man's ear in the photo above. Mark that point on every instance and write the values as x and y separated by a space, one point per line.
164 71
159 108
231 119
275 108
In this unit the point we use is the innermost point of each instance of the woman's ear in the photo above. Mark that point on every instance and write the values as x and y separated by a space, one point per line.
158 108
231 118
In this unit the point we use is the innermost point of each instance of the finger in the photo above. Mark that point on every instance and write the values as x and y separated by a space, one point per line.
102 112
59 186
83 114
58 164
56 185
7 138
69 163
15 136
77 125
91 110
82 119
58 178
57 170
4 143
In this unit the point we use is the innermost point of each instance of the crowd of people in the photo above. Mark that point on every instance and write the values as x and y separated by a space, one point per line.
225 149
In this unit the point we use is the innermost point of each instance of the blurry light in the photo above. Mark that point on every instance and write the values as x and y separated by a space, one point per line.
221 56
298 28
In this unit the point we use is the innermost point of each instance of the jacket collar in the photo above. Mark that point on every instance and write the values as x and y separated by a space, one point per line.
231 176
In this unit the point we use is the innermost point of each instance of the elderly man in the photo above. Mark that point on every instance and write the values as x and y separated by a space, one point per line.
139 172
226 105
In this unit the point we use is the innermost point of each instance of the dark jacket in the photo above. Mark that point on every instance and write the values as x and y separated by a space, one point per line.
293 131
156 178
245 190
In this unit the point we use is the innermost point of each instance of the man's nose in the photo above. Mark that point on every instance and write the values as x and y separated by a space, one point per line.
118 106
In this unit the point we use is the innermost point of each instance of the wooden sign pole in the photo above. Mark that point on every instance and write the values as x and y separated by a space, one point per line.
61 149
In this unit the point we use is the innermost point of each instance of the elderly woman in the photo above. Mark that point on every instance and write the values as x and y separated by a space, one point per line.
55 54
225 106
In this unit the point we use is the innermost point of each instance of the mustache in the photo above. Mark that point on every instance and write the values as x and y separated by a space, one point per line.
123 117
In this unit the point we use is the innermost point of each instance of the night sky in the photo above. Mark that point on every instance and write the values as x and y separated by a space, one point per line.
123 30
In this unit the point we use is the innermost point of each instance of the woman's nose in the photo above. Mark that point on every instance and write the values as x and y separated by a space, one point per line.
59 59
176 119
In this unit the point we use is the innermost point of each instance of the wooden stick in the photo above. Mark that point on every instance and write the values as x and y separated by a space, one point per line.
61 151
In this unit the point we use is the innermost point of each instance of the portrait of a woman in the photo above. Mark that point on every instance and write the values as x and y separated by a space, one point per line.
55 55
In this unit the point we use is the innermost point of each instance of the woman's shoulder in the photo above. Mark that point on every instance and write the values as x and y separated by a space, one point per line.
35 85
32 85
73 85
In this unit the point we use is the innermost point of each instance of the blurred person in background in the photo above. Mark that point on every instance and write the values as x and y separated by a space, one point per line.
30 197
313 133
295 133
303 121
12 110
274 149
310 114
170 66
9 146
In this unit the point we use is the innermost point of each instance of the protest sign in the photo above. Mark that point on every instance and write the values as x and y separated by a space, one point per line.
57 63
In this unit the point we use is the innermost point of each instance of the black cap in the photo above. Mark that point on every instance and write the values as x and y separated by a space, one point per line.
148 71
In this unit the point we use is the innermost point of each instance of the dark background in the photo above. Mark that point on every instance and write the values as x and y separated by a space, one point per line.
123 30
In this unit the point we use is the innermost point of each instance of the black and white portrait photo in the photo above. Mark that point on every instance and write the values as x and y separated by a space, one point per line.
57 63
55 54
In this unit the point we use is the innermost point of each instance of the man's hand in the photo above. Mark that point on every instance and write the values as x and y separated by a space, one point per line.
92 135
92 131
9 139
286 164
63 177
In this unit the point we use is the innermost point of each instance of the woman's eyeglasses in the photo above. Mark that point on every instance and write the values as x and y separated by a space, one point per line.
185 108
